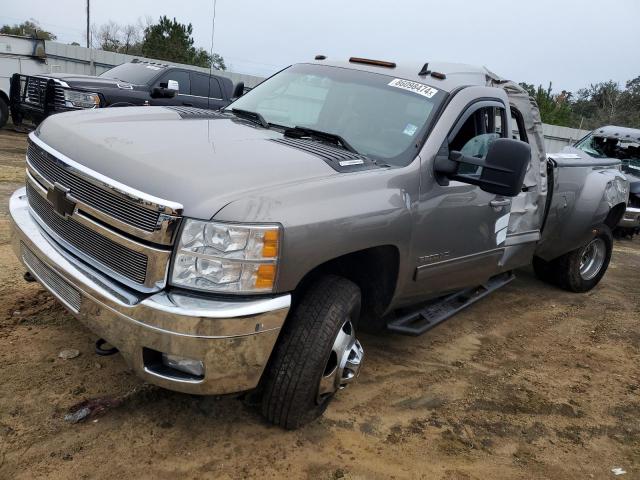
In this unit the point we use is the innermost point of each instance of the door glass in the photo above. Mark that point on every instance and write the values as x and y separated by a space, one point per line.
181 77
475 135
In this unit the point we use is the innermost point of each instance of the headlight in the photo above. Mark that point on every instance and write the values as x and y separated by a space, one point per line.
74 98
224 257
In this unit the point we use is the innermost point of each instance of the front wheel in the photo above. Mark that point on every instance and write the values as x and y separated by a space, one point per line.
317 354
581 269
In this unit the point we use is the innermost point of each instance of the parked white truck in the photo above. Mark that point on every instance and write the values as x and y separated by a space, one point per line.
18 55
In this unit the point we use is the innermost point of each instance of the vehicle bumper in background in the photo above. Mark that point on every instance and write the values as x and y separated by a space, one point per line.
232 338
631 218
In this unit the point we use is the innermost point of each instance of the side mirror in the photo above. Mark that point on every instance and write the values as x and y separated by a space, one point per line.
238 91
166 89
503 168
173 86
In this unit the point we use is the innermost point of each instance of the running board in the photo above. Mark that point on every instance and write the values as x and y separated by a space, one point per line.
436 312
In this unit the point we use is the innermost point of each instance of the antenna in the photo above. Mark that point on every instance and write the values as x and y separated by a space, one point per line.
213 31
88 30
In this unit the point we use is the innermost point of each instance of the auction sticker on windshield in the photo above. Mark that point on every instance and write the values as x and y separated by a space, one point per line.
415 87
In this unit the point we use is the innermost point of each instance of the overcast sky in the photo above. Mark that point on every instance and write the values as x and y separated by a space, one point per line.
570 42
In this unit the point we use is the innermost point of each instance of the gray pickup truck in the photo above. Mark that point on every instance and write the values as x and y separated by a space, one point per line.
241 250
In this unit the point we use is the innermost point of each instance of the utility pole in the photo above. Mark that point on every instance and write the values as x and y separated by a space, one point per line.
88 34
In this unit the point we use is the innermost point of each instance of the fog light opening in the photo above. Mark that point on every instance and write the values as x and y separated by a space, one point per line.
187 365
172 367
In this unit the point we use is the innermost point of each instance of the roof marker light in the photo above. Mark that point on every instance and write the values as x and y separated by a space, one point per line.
377 63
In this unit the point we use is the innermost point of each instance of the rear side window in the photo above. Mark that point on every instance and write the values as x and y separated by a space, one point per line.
518 130
215 88
204 86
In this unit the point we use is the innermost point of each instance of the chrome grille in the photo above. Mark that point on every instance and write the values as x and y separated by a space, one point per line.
58 97
116 257
82 190
58 285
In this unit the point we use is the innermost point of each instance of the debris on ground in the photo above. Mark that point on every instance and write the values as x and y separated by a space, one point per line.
92 407
618 471
69 353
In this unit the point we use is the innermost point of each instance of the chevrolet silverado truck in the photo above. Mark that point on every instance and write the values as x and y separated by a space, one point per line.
136 83
623 144
242 250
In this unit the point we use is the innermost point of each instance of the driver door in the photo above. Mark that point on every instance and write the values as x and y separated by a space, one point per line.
460 230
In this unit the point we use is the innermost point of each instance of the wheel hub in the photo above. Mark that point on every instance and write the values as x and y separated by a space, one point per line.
592 260
343 365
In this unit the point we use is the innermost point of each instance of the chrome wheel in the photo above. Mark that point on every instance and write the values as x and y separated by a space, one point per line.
343 364
592 259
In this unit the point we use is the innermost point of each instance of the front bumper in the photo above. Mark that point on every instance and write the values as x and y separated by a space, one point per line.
631 218
232 338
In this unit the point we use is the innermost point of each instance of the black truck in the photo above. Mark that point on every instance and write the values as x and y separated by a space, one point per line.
134 83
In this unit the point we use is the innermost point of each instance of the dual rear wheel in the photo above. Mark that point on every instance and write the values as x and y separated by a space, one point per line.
581 269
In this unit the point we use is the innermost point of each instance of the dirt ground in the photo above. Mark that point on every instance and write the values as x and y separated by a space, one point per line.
532 382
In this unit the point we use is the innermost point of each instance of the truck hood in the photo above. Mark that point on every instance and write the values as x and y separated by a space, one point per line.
201 163
85 82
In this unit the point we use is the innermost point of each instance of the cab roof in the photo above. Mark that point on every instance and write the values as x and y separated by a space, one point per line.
624 133
456 74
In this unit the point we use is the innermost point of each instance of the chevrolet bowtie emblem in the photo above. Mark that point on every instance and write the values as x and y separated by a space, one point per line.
58 196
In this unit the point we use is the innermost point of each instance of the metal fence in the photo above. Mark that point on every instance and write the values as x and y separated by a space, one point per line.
556 137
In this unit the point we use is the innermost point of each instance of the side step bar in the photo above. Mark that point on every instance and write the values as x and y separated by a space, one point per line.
436 312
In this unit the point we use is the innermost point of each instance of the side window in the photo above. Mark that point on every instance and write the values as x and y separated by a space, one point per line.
180 76
215 88
199 85
518 130
474 136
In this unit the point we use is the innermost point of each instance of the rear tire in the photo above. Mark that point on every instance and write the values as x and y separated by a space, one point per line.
295 383
4 112
581 269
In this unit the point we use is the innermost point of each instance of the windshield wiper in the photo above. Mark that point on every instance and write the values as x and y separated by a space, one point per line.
255 116
334 138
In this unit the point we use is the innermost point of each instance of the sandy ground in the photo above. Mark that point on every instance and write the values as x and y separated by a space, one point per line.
532 382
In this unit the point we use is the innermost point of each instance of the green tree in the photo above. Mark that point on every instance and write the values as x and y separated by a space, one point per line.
30 28
554 108
173 41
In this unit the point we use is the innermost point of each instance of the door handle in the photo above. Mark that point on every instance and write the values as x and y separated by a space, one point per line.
500 203
187 104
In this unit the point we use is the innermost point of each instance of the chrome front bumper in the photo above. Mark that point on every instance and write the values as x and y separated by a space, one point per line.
631 218
232 338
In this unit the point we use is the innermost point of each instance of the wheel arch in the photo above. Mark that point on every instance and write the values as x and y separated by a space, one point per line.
615 215
375 271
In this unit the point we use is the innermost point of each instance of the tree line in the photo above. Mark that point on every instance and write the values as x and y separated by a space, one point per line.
604 103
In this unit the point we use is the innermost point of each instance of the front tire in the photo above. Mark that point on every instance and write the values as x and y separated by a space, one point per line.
317 354
581 269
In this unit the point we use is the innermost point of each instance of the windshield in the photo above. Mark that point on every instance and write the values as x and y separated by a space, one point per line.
136 73
600 147
379 116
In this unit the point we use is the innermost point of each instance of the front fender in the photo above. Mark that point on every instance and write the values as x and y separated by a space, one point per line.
324 219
